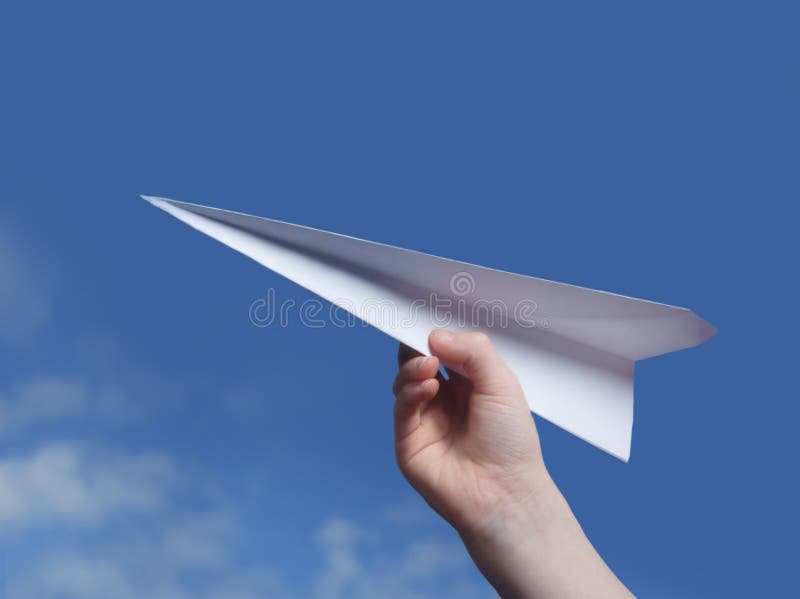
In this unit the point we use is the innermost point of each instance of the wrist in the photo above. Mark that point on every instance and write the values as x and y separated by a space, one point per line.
514 547
519 516
535 547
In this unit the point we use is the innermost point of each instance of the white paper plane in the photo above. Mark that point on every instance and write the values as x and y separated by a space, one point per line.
573 349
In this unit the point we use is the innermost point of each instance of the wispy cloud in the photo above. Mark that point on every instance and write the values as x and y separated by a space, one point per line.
39 400
364 561
337 538
43 400
124 530
130 567
24 301
71 484
147 542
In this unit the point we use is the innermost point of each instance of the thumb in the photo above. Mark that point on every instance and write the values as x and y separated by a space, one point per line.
474 355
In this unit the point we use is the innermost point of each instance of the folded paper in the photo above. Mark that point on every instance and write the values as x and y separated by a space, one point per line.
573 349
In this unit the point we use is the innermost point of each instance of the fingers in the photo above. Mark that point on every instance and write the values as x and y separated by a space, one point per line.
416 368
474 355
414 386
407 408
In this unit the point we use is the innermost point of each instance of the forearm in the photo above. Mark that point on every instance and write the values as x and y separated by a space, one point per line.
537 550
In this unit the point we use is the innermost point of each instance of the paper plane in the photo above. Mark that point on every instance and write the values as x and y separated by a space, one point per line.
573 349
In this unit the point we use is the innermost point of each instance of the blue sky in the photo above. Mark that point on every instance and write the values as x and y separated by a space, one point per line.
153 442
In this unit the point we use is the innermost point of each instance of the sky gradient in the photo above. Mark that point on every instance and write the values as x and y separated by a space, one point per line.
155 443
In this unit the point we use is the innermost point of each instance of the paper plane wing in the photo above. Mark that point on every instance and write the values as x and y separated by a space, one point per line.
573 349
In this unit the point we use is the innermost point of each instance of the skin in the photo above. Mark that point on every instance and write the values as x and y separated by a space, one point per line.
469 446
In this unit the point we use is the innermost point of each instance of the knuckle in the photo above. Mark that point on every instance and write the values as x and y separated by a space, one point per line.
480 339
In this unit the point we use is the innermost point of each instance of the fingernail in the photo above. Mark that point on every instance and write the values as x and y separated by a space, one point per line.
421 362
443 335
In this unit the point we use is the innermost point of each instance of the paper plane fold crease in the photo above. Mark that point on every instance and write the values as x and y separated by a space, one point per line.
573 349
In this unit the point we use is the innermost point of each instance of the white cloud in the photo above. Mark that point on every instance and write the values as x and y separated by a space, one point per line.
337 537
148 546
378 564
147 543
146 575
70 484
129 568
